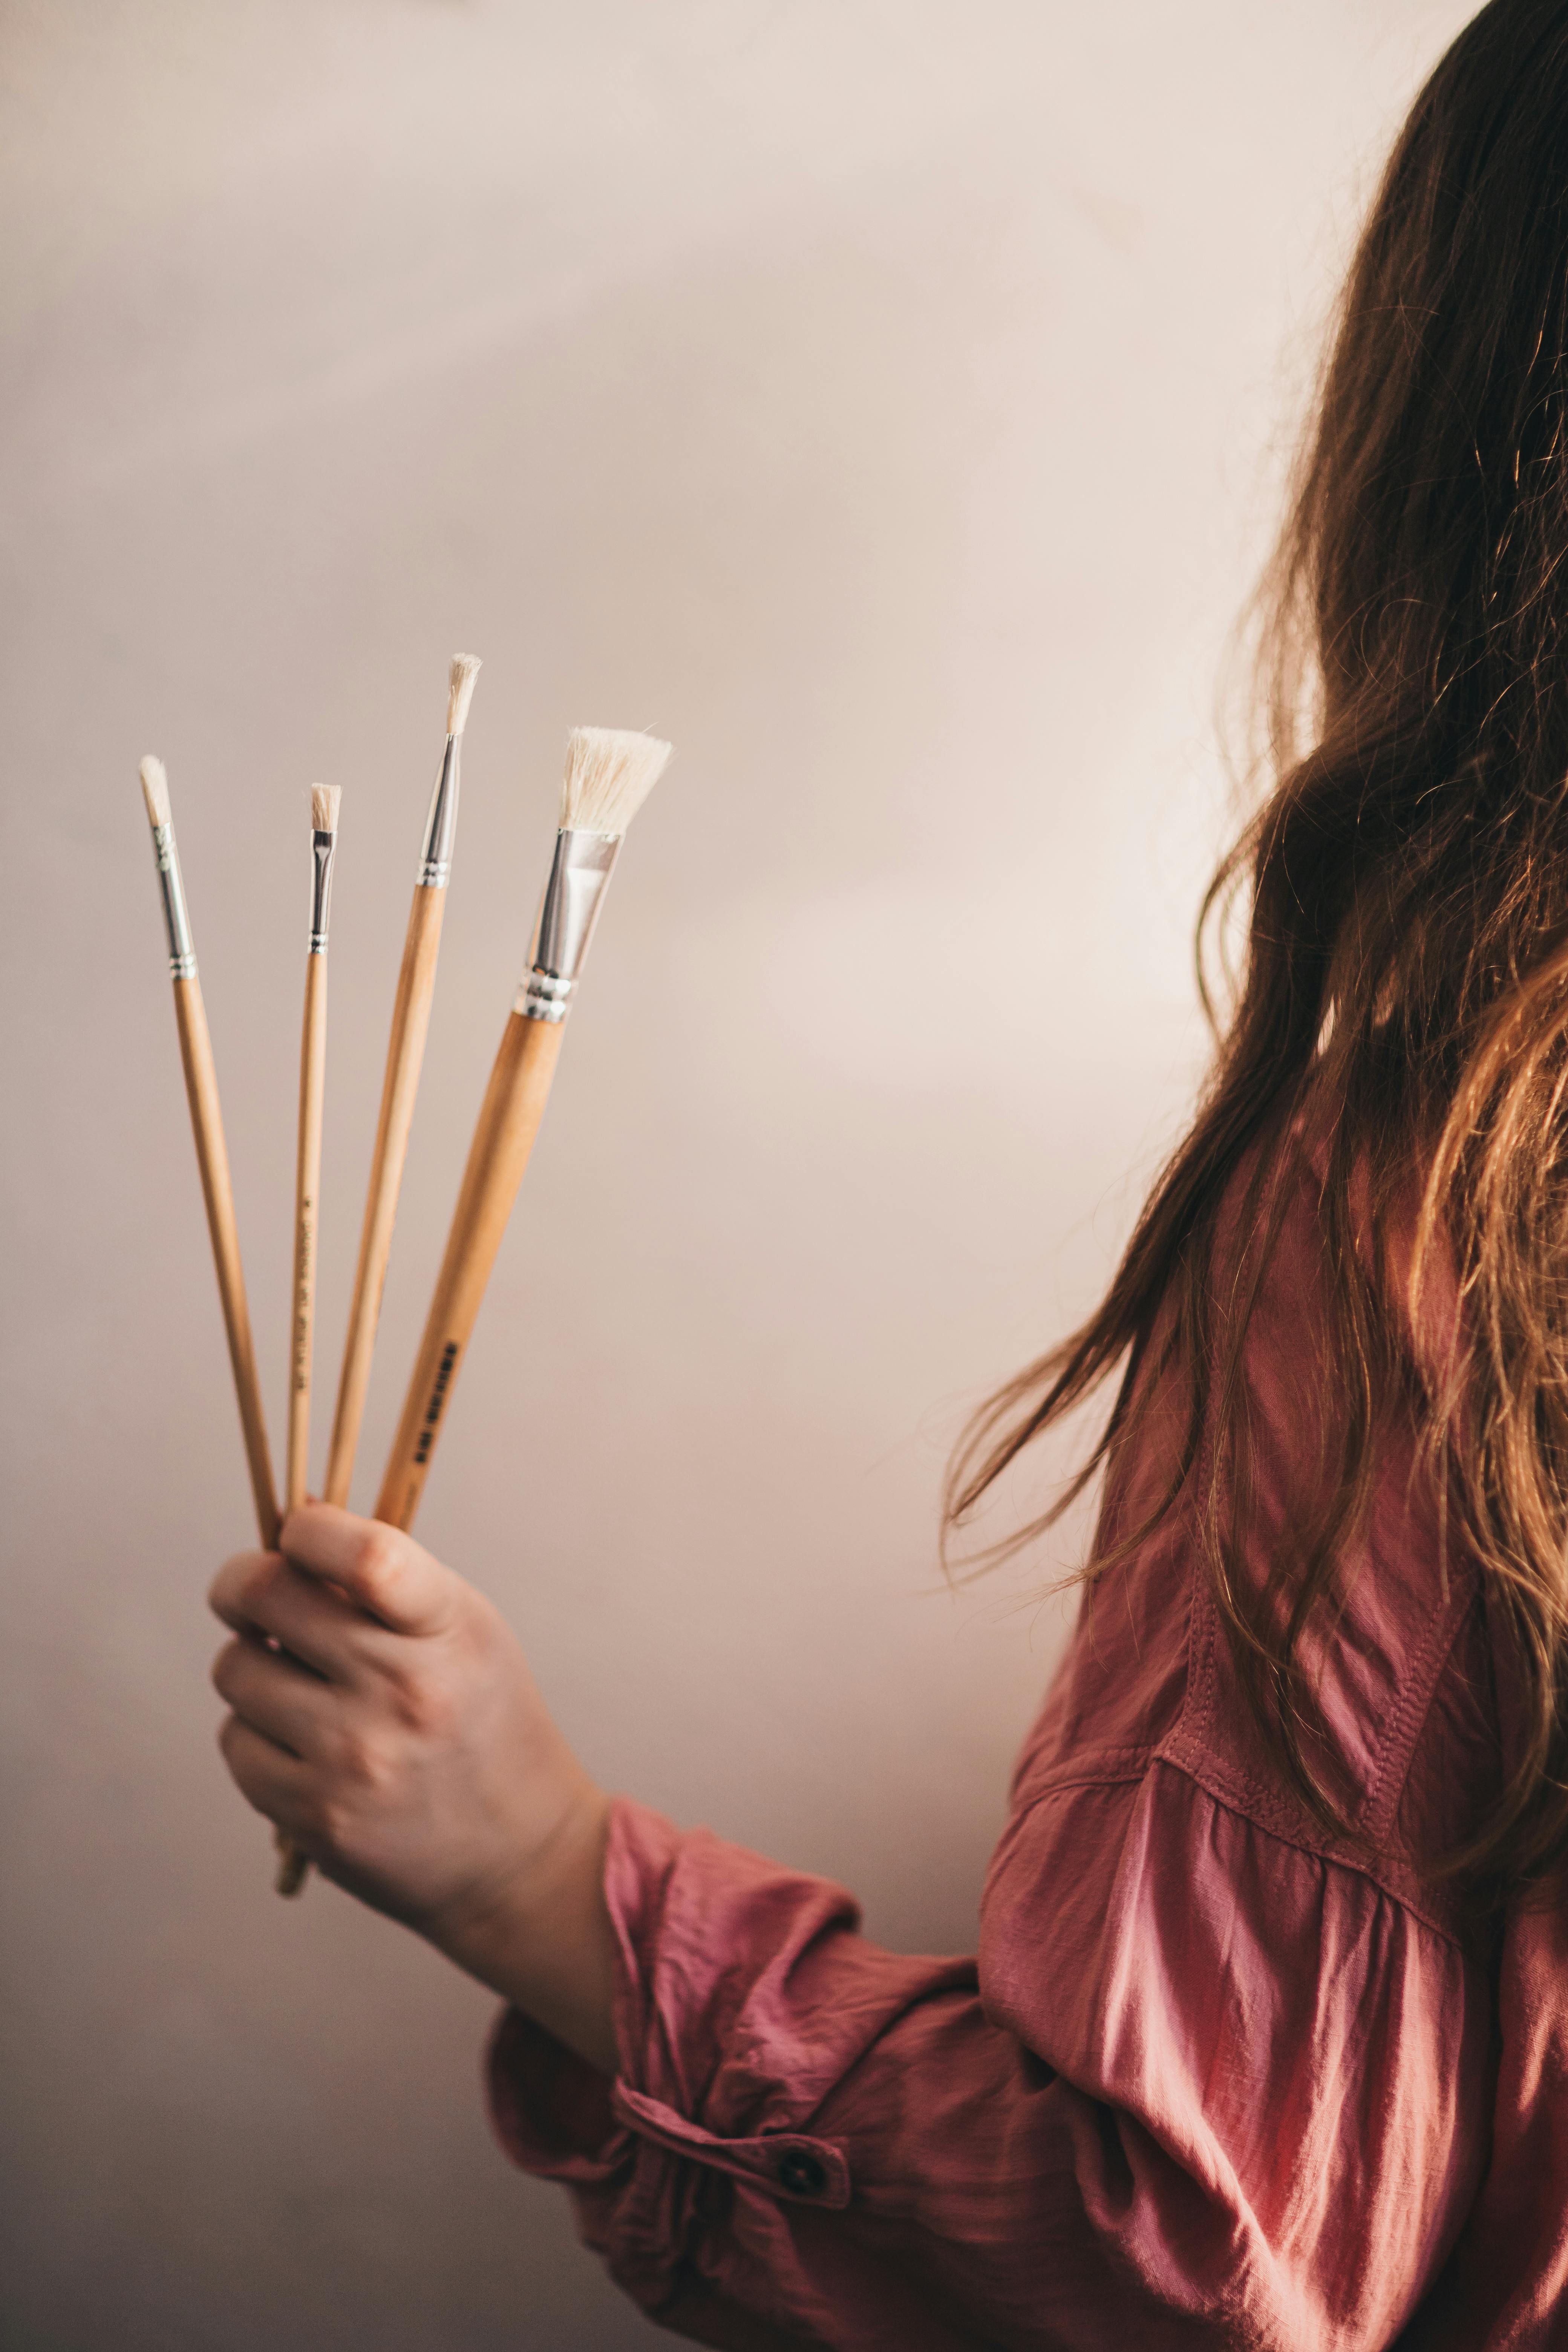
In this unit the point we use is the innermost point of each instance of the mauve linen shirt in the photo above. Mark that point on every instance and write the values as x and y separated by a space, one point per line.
1212 2078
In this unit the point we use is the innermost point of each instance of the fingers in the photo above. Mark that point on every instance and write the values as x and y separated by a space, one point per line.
293 1710
386 1572
260 1593
265 1774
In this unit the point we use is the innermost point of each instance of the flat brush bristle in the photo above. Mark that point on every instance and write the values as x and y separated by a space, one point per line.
155 790
460 691
609 774
324 799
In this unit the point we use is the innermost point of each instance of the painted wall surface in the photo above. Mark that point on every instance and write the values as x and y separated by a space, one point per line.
883 401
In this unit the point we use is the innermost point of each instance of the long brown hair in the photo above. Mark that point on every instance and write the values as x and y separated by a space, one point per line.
1405 988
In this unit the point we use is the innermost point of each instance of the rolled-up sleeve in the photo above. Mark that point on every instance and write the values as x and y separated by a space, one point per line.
811 2140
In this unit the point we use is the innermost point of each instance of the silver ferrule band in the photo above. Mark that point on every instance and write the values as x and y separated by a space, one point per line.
176 920
322 847
579 874
441 824
542 997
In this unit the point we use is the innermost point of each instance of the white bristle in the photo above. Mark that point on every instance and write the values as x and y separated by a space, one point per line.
460 692
324 799
155 790
609 774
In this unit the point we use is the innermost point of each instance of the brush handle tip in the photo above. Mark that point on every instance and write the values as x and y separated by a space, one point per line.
294 1867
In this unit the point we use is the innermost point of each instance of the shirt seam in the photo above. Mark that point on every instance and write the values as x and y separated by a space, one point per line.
1059 1785
1386 1792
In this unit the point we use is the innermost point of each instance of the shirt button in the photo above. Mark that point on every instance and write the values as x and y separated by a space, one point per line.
800 2174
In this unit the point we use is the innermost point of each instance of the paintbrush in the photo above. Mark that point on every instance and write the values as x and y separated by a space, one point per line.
405 1053
211 1159
292 1866
609 774
324 803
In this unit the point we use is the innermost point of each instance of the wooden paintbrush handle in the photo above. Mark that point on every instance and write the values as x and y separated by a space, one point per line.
294 1867
508 1122
405 1054
306 1216
211 1159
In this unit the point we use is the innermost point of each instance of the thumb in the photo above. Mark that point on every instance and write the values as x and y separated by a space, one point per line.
392 1578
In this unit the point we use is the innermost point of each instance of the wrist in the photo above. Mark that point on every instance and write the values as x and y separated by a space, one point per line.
540 1934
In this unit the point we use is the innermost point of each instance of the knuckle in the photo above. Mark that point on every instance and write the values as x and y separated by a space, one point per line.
256 1580
330 1826
328 1817
226 1583
238 1758
347 1754
422 1706
358 1762
381 1563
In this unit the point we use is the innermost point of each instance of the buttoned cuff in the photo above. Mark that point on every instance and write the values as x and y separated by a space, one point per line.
559 2117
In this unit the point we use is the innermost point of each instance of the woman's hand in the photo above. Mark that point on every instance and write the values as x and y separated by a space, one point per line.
397 1735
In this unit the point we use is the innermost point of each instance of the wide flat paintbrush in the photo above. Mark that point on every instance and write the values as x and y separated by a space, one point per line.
211 1159
608 776
292 1866
405 1053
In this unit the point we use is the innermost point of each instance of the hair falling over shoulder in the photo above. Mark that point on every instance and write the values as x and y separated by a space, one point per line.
1403 991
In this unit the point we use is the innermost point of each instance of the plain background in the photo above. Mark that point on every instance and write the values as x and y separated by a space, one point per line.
886 400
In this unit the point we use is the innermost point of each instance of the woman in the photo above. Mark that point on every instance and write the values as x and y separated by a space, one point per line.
1266 2042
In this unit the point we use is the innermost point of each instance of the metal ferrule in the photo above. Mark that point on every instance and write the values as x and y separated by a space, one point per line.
177 922
568 911
322 847
441 824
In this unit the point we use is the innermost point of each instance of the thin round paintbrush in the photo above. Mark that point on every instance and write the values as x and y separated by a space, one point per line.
211 1159
325 800
608 776
405 1053
292 1866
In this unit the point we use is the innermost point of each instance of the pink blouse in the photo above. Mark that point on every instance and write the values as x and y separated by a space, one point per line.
1213 2079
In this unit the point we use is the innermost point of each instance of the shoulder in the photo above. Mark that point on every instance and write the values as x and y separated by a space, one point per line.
1406 1742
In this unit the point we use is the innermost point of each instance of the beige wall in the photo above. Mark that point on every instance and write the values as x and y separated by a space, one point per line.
876 400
